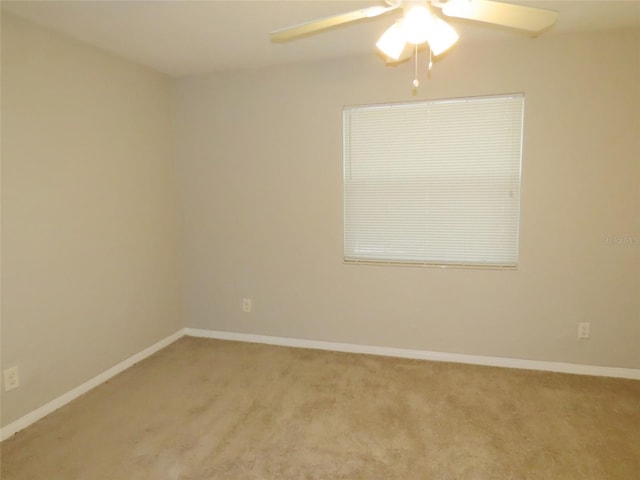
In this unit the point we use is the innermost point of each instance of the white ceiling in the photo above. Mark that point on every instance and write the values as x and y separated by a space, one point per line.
183 37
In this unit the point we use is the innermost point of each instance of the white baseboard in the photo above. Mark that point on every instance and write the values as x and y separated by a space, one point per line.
62 400
573 368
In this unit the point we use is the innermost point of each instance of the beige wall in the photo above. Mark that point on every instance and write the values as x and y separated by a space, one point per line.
89 243
260 154
90 257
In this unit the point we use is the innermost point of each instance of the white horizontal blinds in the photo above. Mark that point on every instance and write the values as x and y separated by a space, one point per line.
433 182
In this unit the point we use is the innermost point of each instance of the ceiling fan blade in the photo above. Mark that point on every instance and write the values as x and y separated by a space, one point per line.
530 19
290 33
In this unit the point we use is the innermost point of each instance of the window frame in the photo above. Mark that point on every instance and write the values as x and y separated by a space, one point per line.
353 259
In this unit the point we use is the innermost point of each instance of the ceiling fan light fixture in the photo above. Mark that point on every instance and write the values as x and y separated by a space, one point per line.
415 24
392 41
441 36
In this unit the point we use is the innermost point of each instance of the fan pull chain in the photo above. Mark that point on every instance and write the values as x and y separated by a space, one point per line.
416 83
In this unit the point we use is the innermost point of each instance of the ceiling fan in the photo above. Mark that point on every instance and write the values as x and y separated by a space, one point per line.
419 26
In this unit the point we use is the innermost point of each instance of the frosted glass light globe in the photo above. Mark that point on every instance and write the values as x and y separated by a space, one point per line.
416 24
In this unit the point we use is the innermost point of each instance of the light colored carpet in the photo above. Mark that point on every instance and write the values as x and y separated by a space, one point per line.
209 409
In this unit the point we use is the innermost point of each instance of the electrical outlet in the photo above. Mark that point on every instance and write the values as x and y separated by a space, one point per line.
246 305
11 379
583 329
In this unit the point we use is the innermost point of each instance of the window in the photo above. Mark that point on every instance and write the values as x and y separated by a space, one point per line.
433 182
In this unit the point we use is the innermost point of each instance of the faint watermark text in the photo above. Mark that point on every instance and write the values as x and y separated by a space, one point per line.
621 240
